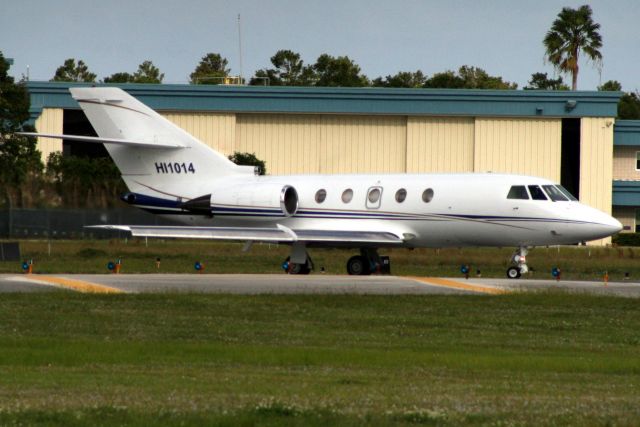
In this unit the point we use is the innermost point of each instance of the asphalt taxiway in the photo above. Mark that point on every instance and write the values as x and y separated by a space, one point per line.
252 284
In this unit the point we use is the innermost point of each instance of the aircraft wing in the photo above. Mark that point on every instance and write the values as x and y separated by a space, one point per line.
281 234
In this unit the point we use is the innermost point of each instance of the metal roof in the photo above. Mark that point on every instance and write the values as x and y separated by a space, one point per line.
626 193
327 100
626 132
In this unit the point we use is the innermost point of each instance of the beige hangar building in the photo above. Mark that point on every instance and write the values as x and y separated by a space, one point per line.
569 137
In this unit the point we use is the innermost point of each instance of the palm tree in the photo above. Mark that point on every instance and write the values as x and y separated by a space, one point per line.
572 32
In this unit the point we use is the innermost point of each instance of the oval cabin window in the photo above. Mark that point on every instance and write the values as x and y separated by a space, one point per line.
427 195
401 195
321 195
347 195
374 195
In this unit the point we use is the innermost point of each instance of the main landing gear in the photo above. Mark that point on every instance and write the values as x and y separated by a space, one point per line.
364 264
299 262
519 258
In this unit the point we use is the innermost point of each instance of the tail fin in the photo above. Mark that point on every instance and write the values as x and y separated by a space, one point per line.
115 114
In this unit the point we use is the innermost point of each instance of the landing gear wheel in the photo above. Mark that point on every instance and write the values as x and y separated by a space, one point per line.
291 268
357 266
299 269
513 273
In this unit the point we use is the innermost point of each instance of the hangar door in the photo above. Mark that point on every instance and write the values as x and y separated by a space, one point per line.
439 144
519 146
311 143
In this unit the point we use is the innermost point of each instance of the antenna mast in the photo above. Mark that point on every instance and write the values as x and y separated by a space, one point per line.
240 48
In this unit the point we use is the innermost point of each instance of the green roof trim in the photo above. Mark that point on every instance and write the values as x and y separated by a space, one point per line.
626 193
328 100
626 132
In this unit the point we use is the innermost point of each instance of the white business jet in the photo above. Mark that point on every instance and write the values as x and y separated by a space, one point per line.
171 173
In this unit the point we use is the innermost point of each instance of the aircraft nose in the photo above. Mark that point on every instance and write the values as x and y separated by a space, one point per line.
606 224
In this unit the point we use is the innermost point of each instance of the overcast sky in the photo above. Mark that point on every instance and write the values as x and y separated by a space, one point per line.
504 37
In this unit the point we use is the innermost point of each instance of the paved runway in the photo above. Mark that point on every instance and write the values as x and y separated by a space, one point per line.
284 284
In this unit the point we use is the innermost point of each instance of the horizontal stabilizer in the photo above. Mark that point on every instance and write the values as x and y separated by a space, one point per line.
280 234
99 140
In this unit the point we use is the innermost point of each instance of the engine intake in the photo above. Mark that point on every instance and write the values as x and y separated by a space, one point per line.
289 200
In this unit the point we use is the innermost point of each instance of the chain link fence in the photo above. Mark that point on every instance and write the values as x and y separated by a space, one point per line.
70 223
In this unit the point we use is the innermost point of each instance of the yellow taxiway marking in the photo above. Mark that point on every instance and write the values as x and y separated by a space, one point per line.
75 285
435 281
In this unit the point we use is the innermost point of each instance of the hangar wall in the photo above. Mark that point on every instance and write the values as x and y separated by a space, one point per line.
50 121
520 146
596 164
439 144
624 163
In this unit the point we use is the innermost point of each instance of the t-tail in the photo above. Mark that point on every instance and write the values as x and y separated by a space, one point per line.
156 157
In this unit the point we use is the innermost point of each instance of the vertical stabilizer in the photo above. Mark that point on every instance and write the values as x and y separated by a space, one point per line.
115 114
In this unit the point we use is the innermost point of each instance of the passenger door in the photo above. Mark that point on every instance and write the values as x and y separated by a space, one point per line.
374 198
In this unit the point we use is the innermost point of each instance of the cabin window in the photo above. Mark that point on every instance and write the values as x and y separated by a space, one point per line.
401 195
321 195
427 195
536 193
347 195
566 193
374 195
518 192
554 194
638 160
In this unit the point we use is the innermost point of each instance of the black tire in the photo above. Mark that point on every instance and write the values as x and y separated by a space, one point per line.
357 266
513 273
300 269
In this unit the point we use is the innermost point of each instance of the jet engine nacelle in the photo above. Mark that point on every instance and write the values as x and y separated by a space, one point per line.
258 195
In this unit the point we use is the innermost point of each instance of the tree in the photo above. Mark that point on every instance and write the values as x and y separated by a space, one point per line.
340 71
289 70
468 77
70 72
211 69
629 104
540 81
447 79
611 85
571 33
249 159
119 78
148 73
402 79
19 159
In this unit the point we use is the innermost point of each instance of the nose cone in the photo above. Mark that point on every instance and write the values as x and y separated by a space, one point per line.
595 224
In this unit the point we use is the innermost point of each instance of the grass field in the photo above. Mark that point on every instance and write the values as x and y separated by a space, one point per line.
136 360
92 256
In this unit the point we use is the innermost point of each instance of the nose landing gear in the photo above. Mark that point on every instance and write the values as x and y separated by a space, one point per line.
519 258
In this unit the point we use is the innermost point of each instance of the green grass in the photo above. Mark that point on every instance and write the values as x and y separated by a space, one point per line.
523 359
179 256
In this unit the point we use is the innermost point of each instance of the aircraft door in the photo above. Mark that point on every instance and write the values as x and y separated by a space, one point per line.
374 198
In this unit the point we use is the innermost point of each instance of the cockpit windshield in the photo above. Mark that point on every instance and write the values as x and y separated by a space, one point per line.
554 194
518 192
537 193
566 193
